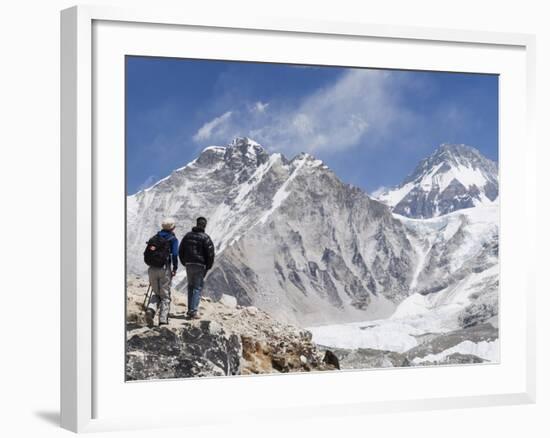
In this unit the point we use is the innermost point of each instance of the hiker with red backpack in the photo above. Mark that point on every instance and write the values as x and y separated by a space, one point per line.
161 255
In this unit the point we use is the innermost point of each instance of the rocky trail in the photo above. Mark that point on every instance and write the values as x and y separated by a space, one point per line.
228 339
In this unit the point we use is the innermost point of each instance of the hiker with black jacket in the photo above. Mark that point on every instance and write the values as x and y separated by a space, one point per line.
196 253
161 254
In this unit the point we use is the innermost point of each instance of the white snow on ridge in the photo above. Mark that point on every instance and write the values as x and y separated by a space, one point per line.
485 213
394 334
392 197
480 224
380 335
247 140
190 164
489 351
256 177
282 194
447 302
222 225
466 175
437 179
214 148
430 179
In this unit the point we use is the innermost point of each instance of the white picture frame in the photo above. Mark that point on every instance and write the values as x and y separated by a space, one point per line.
86 402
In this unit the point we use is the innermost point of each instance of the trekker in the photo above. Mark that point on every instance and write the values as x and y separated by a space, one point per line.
197 254
161 254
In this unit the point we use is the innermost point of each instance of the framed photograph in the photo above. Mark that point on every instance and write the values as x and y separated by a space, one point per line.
292 218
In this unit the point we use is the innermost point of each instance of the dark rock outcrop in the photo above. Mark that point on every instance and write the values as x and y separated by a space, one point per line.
331 359
188 351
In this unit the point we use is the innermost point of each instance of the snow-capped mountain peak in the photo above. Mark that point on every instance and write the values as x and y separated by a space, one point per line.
240 152
281 228
453 177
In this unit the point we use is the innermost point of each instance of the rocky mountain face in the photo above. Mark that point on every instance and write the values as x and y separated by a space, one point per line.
451 247
228 340
420 265
451 314
323 252
291 238
454 177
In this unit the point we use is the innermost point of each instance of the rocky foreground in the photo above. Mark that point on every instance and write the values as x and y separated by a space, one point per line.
228 340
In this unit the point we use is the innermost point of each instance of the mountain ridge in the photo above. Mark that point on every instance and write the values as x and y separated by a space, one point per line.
251 194
295 240
453 177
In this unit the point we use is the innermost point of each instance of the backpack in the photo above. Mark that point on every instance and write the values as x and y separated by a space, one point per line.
157 251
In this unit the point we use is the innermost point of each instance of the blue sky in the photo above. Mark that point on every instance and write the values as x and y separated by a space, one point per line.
371 127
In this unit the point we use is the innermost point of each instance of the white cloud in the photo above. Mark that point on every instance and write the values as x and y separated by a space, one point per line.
302 123
206 131
359 108
149 181
260 106
379 191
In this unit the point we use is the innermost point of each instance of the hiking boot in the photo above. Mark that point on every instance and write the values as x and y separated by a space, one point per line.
163 323
193 315
149 317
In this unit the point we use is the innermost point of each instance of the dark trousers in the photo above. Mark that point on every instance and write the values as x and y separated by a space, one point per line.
195 282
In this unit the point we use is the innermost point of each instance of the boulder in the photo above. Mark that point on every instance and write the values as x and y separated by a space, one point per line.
229 301
192 350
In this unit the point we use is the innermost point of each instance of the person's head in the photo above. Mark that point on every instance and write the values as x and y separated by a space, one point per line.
201 223
168 224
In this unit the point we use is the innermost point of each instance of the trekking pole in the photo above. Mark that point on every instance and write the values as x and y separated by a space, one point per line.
143 306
